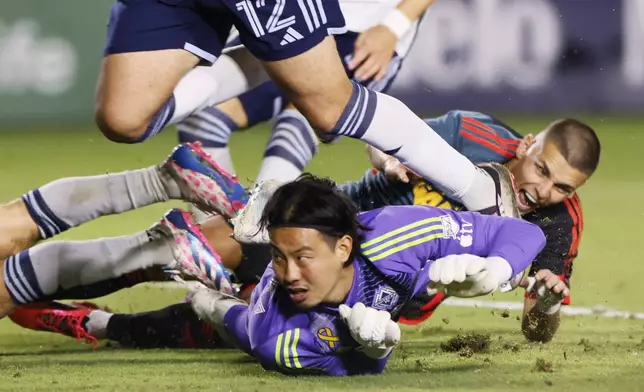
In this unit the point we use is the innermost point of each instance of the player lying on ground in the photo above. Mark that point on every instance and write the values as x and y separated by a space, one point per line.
547 169
339 280
371 53
56 269
557 212
145 83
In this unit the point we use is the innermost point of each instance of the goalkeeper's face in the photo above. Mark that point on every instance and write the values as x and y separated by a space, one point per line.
542 176
311 266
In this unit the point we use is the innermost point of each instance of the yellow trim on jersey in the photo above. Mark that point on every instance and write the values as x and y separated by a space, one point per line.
406 245
288 349
278 345
385 240
399 230
287 340
403 238
296 340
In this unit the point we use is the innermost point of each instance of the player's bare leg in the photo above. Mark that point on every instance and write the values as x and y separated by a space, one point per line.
18 231
234 109
134 91
315 81
219 235
139 93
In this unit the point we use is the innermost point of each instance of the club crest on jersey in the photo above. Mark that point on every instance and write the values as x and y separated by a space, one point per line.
461 233
450 227
385 298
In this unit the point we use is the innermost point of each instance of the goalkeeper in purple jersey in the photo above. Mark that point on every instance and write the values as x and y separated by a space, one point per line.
338 280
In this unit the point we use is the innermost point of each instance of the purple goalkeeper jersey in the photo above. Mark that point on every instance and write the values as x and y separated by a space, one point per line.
392 268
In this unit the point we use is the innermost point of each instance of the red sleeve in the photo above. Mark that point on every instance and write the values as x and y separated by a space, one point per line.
563 226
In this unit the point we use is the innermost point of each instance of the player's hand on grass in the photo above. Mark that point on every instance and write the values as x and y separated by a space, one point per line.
372 329
462 276
549 289
373 51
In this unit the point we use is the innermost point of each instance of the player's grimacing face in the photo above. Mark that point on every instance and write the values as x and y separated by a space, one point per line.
543 176
310 266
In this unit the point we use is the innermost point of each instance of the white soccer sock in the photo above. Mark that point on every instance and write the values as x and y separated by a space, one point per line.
69 202
96 324
207 86
291 147
390 126
222 156
277 168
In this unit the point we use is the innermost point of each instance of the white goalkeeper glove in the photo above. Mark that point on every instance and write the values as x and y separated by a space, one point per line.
372 329
466 275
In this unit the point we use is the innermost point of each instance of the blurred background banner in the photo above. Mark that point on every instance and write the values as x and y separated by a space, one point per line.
530 56
527 56
50 53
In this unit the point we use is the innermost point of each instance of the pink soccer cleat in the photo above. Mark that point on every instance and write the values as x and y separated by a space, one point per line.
203 182
194 257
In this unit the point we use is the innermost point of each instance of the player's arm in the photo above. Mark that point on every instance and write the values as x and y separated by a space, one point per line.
375 47
502 248
541 317
403 239
551 271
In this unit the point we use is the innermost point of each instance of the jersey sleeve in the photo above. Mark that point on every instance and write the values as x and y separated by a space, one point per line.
403 239
295 352
430 233
563 226
479 137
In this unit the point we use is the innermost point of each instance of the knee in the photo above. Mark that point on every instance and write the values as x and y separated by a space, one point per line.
324 112
118 126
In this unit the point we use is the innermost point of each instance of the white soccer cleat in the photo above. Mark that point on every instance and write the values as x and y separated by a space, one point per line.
505 192
246 223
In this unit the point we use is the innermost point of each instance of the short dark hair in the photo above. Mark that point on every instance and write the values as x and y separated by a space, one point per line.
315 203
577 142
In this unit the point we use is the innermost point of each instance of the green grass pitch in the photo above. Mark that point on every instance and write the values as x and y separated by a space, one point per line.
589 353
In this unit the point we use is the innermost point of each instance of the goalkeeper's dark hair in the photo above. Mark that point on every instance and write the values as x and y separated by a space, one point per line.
577 142
315 203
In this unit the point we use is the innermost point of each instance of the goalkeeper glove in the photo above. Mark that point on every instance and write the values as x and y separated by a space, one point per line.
372 329
467 275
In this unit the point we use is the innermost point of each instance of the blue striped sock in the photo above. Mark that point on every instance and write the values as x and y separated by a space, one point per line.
210 126
358 114
20 279
49 224
160 119
293 140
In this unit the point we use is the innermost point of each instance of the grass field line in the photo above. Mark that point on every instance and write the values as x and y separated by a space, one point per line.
477 303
